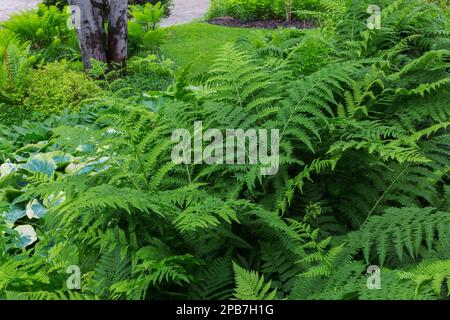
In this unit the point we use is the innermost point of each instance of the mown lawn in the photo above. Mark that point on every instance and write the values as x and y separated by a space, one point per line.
199 42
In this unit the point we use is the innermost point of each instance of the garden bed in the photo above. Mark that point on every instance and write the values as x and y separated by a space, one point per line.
262 24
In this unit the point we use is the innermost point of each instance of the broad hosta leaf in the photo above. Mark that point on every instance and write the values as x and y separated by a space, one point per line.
53 201
60 158
14 214
33 147
35 210
41 163
88 167
27 235
86 148
6 169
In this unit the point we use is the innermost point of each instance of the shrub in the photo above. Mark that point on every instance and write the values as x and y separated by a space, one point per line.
14 67
58 3
144 74
143 32
16 114
249 10
253 9
167 3
56 87
46 30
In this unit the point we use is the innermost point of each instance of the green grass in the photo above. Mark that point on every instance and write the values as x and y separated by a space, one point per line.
199 43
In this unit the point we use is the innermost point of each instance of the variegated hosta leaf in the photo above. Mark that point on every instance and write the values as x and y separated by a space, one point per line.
53 201
35 210
41 163
60 158
27 235
14 214
7 168
86 148
33 147
88 167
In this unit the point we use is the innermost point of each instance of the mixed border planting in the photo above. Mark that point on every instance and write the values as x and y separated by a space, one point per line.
88 182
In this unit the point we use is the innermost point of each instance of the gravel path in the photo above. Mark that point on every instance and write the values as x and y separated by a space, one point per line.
7 7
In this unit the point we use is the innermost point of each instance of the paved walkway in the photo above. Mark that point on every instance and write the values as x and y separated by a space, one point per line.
7 7
184 10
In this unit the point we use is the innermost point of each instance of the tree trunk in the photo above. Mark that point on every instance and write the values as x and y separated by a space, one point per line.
91 34
93 41
288 9
118 31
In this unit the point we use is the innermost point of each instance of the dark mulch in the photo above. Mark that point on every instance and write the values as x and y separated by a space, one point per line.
263 24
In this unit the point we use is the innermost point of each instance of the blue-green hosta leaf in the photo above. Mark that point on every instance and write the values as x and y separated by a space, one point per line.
7 168
41 163
110 131
13 214
27 235
88 167
35 210
33 147
53 201
86 148
74 167
60 157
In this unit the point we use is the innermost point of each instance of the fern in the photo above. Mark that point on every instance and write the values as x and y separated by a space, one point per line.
250 286
437 273
401 231
13 72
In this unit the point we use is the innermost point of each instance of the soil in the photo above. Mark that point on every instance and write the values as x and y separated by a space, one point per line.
263 24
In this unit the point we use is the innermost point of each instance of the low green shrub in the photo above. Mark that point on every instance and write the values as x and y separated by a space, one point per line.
16 114
58 3
144 74
56 87
253 9
14 68
46 30
143 28
167 3
250 10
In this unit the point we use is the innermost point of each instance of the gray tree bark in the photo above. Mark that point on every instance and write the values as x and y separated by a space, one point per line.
118 31
93 40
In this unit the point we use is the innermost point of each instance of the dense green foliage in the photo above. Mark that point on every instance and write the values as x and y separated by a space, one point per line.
364 176
56 87
33 85
248 10
46 32
143 32
167 3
